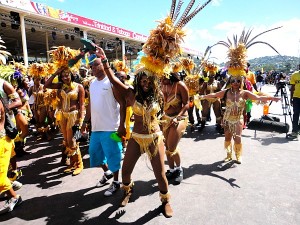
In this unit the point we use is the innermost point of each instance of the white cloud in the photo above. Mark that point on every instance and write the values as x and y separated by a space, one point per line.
286 40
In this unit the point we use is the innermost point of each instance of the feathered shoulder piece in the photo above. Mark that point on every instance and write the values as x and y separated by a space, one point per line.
237 50
163 43
120 66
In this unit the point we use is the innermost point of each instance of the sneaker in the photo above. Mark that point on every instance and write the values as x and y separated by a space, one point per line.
16 185
10 204
104 180
292 135
178 176
112 188
170 175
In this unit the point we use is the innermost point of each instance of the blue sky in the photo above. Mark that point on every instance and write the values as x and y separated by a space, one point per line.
217 21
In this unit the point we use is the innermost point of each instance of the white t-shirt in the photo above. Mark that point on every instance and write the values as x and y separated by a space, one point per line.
105 110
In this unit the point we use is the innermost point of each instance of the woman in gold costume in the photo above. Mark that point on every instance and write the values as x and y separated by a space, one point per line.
39 107
233 119
175 121
71 113
235 96
23 115
211 86
147 105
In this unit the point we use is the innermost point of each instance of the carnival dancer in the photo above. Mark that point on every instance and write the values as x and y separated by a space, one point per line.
39 107
174 123
235 96
71 113
211 86
161 47
24 113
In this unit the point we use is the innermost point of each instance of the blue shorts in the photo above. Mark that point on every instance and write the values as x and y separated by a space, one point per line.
104 150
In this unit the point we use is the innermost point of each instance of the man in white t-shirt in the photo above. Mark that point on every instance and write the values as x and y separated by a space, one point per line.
105 121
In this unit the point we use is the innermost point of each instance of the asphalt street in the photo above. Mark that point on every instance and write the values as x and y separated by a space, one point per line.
263 190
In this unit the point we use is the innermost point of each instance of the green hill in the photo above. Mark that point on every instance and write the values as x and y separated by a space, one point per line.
286 64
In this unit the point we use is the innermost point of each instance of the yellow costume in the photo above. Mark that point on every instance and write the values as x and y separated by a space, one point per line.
233 115
64 117
6 147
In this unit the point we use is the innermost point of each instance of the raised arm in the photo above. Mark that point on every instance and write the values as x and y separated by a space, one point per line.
49 84
122 88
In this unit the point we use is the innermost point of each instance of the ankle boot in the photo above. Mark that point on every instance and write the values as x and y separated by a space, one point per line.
63 154
19 149
228 148
128 189
166 207
238 148
78 163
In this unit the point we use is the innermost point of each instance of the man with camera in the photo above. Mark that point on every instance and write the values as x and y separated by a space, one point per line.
295 102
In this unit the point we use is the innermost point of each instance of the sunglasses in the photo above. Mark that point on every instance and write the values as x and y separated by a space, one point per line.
235 81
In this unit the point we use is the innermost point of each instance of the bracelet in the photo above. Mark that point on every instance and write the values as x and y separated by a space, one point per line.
104 60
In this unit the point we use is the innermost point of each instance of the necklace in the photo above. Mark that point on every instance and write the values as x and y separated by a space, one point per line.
169 92
234 93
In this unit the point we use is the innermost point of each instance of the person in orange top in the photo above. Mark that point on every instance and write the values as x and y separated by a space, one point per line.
250 83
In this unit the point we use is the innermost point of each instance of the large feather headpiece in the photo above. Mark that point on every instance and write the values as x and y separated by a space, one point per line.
61 55
163 43
237 50
120 66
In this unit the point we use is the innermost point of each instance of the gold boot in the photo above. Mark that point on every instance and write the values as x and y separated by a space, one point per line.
128 189
166 207
228 148
78 163
238 148
71 154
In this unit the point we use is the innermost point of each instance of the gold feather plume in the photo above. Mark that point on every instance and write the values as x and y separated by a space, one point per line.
163 44
120 66
38 70
61 55
237 50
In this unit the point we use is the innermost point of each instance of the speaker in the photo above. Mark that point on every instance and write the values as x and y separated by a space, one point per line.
268 125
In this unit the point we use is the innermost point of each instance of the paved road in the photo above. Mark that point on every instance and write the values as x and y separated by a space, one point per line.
263 190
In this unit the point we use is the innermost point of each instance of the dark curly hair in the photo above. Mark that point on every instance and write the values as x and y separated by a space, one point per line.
153 95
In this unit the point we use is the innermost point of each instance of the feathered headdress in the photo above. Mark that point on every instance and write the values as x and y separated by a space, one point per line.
237 51
120 66
61 56
210 68
163 43
38 70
